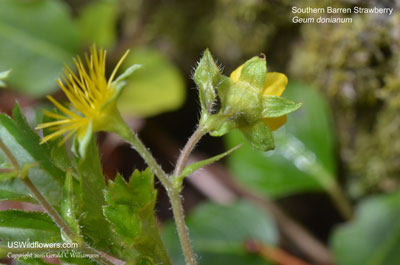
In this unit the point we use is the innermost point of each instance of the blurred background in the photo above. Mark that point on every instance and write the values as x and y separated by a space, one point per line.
338 153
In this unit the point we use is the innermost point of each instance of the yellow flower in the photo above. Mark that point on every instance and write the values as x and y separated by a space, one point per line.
274 85
91 96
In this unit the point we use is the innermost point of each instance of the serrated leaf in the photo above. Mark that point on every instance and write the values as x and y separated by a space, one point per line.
218 234
130 208
16 225
35 49
23 142
304 150
92 183
274 106
8 192
373 236
24 134
156 87
207 77
188 170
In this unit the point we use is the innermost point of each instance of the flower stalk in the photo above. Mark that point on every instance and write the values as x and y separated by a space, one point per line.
173 192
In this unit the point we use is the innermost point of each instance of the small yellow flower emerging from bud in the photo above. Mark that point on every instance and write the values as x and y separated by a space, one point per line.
275 84
92 98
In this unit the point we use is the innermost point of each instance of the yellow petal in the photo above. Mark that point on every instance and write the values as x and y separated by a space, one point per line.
275 123
236 74
275 84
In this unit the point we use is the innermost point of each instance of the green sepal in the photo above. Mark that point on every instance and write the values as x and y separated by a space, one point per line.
130 210
4 75
274 106
69 204
80 146
253 73
218 124
188 170
243 102
207 77
120 82
224 128
259 136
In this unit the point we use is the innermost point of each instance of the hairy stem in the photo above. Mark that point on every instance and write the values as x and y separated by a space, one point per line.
123 130
51 211
191 143
126 133
177 209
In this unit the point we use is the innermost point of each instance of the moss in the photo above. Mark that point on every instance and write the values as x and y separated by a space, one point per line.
357 67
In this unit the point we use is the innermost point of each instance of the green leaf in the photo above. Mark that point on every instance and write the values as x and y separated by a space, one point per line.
94 227
274 106
130 208
207 76
259 136
14 190
156 87
18 225
31 142
23 142
188 170
373 237
35 49
304 150
218 234
98 23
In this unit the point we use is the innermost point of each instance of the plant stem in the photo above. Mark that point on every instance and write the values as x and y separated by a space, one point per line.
126 133
9 155
50 210
123 130
177 209
191 143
